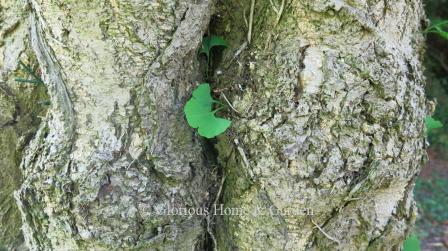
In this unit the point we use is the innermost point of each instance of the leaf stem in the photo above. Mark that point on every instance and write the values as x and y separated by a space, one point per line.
219 109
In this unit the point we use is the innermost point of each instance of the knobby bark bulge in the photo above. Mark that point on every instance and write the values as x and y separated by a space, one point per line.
332 106
330 100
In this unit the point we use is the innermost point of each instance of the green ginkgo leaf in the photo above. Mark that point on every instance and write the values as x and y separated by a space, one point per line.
213 126
432 124
209 42
200 115
196 112
202 94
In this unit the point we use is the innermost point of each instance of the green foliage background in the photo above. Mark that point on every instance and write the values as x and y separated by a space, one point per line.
436 63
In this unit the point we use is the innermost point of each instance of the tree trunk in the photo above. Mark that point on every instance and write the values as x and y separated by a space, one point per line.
21 106
327 136
330 135
112 151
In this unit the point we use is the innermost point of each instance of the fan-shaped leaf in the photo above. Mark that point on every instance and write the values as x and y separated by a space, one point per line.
213 126
202 94
209 42
199 114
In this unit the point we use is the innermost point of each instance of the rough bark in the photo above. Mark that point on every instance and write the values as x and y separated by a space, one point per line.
112 151
20 108
331 106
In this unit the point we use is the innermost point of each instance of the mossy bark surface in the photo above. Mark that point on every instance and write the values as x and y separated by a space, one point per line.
322 153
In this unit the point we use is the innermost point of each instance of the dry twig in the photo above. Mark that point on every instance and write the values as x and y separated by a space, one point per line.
251 21
323 232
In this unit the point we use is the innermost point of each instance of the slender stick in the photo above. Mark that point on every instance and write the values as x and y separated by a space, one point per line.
230 105
251 21
323 232
279 16
209 230
245 18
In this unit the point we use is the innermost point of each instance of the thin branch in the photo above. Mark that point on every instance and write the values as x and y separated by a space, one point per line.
132 162
245 163
209 230
29 81
323 232
245 18
251 21
230 105
219 190
237 53
282 8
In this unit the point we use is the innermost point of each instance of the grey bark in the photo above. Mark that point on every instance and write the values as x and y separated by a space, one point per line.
112 151
19 114
331 107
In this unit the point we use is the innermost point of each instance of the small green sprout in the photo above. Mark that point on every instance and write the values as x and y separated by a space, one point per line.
37 80
439 27
200 114
209 42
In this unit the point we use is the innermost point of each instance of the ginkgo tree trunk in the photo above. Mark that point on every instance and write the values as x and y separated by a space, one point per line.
331 109
326 100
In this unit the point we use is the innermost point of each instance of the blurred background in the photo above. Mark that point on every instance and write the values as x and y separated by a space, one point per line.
431 191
